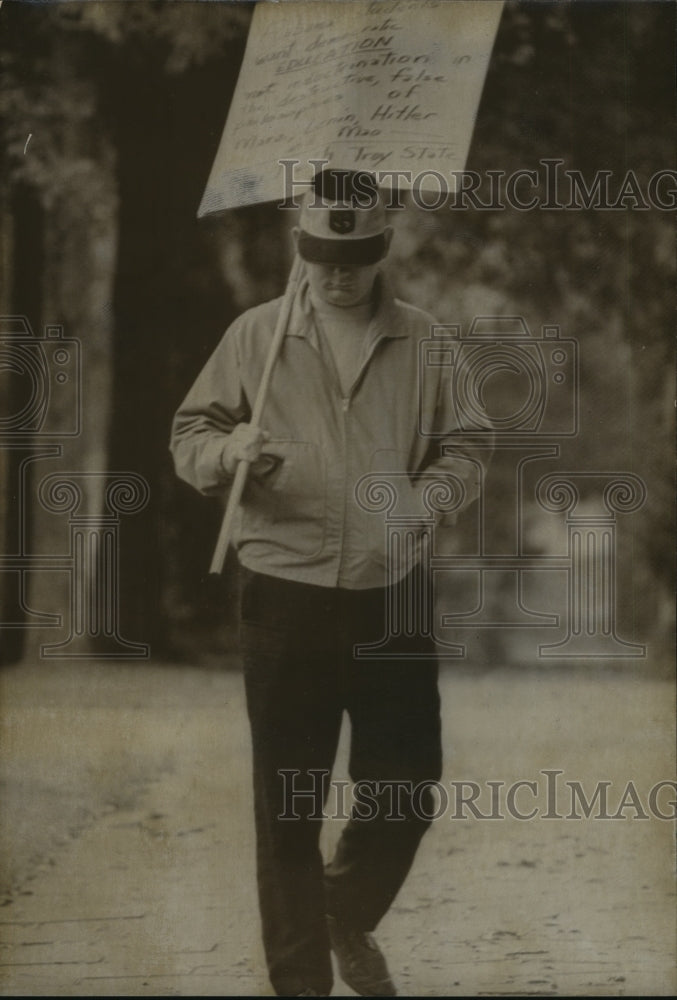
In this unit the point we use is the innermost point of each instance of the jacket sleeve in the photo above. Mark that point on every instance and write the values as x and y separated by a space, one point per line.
214 405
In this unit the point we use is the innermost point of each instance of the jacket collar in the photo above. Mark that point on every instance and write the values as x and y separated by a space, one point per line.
385 322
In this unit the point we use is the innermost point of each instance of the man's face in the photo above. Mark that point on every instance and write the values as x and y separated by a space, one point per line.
339 285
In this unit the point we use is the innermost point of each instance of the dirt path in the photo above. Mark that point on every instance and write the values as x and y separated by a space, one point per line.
126 824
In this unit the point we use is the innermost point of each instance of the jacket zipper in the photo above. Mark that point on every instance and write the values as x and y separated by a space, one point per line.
345 407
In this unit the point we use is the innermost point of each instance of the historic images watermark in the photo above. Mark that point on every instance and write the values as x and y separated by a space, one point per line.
546 796
42 409
547 186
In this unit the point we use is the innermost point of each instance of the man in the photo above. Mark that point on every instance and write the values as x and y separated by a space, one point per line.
345 400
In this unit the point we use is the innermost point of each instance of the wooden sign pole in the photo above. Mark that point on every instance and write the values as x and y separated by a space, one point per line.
242 469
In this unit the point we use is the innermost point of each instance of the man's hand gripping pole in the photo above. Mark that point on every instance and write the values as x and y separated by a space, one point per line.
242 469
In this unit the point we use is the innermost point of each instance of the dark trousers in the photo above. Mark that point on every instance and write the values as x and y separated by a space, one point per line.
300 676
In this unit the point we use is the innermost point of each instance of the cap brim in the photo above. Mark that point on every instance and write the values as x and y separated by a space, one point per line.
343 251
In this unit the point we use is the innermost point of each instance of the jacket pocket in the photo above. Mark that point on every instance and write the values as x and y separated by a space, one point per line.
390 466
287 507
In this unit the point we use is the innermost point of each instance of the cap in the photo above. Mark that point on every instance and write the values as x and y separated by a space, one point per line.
343 220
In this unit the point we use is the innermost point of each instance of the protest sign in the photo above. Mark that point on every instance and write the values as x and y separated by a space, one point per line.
391 87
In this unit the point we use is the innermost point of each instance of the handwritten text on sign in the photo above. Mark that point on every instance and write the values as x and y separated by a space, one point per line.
382 85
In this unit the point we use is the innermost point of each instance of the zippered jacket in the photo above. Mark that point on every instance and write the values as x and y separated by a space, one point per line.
318 515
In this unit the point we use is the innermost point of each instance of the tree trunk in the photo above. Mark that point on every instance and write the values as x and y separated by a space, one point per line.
80 242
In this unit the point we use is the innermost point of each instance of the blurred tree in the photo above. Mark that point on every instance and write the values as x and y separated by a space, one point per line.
111 113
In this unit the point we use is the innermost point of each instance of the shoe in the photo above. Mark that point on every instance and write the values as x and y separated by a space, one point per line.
360 961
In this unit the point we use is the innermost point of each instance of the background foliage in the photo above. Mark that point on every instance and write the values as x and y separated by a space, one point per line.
124 103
